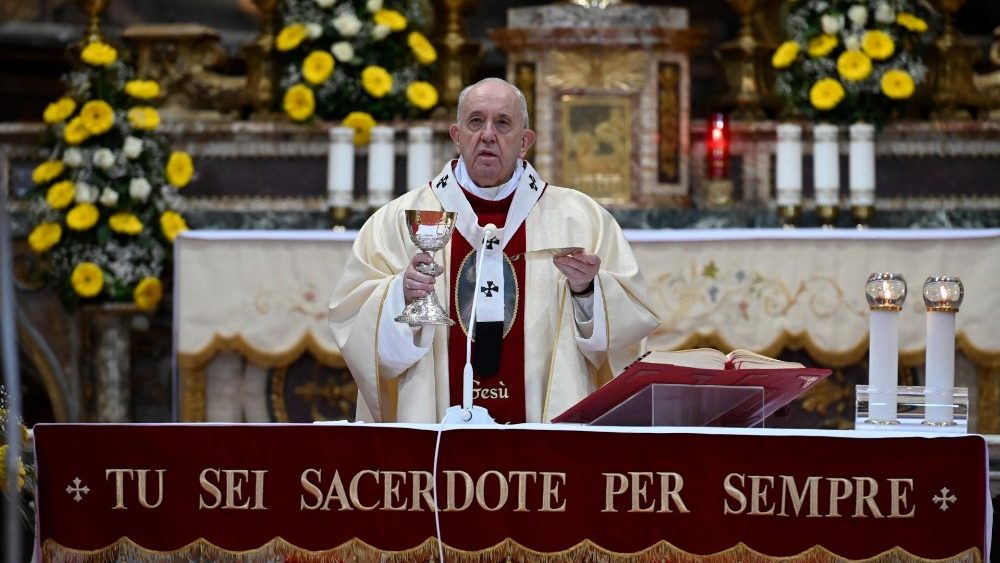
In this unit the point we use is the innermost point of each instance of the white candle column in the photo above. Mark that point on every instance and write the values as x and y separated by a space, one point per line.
943 296
419 157
862 172
340 174
381 166
788 176
826 173
886 293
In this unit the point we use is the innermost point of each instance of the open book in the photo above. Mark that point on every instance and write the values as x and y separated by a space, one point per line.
781 382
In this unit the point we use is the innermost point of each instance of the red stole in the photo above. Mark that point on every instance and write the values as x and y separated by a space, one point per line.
503 394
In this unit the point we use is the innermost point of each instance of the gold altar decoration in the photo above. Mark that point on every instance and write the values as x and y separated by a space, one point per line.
954 94
181 57
989 83
597 142
458 53
746 69
93 9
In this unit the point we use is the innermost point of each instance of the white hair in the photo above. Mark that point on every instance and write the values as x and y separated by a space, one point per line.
493 80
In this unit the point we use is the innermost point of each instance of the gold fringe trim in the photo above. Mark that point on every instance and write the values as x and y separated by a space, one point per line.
507 550
307 343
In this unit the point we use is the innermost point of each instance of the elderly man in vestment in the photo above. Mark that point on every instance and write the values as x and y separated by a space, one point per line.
549 330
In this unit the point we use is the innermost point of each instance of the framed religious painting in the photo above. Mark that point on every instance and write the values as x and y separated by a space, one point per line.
596 156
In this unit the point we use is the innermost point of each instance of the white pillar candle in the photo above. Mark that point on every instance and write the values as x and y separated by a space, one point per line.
788 162
419 157
340 168
862 165
826 165
381 166
940 365
883 365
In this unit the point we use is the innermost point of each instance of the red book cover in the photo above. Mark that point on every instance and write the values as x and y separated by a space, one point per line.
782 381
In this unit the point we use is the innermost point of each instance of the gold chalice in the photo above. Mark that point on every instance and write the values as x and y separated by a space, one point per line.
430 231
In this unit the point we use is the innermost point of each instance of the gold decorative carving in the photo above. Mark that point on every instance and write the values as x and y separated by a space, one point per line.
668 96
953 91
312 392
457 54
745 64
193 400
93 9
598 69
597 146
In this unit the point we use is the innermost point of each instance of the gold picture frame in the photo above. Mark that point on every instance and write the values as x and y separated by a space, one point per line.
597 146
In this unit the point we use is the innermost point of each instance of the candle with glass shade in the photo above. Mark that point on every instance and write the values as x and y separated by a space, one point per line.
943 296
885 293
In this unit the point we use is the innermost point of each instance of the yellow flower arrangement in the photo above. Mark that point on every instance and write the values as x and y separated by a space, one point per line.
24 465
362 124
87 279
844 60
148 293
378 52
422 94
59 110
109 181
22 472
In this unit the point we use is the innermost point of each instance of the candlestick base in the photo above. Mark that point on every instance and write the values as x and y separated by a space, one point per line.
719 193
827 215
339 216
789 215
917 410
863 215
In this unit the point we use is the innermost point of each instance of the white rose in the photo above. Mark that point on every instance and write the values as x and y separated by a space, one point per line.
374 5
858 15
132 147
884 13
314 30
84 193
104 158
347 25
109 197
73 157
380 32
830 23
139 189
852 43
343 51
325 3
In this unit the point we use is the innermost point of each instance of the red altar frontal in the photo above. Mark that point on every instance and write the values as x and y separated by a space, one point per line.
363 492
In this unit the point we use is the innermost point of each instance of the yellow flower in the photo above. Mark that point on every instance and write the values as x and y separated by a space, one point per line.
99 54
299 102
59 110
785 54
82 217
44 237
125 223
422 95
897 84
87 279
180 168
376 81
317 67
854 65
142 89
144 117
826 94
97 116
362 124
48 170
76 131
392 19
291 36
821 45
22 473
60 194
877 44
911 22
148 293
422 48
172 224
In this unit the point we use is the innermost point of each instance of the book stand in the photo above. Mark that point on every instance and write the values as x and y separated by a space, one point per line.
676 404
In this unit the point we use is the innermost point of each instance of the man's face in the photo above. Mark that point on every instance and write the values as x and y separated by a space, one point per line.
491 134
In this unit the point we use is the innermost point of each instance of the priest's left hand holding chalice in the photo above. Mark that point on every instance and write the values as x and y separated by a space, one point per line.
549 328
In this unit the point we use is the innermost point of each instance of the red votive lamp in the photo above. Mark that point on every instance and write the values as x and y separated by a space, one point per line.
717 138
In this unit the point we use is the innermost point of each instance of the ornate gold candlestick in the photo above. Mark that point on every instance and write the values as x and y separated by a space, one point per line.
745 63
93 9
456 52
953 90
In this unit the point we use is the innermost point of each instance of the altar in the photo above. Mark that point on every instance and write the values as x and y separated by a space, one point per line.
250 303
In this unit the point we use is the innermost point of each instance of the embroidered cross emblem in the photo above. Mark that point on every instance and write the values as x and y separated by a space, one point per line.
442 182
944 498
532 183
76 489
489 289
491 242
